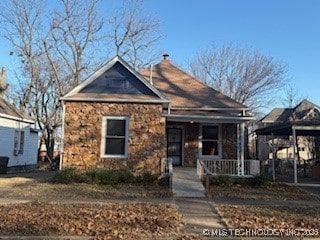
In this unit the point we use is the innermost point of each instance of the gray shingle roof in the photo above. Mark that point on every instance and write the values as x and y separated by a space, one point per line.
278 115
9 110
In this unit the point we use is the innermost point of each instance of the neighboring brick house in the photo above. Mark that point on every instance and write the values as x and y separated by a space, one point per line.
119 118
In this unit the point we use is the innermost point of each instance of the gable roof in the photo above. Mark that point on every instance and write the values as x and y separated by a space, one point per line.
185 91
277 115
298 113
99 86
8 111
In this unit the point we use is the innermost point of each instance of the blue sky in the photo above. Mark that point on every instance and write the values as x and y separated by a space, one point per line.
288 30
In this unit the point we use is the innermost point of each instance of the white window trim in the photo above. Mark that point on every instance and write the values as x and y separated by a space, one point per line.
103 137
219 156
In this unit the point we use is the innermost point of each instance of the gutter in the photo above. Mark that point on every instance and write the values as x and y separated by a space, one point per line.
76 99
17 118
208 109
188 118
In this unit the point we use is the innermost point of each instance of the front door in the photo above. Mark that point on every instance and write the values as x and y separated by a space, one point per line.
174 145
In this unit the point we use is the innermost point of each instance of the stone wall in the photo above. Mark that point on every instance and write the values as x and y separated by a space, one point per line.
82 136
191 151
229 141
191 141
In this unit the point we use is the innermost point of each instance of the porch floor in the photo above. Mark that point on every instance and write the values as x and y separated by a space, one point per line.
186 183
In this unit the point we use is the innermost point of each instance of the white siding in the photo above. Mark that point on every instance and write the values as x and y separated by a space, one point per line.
7 131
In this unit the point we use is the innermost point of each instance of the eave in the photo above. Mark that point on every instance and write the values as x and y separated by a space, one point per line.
6 116
75 99
198 118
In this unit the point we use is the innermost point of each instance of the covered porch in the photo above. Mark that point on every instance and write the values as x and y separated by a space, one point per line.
292 130
212 141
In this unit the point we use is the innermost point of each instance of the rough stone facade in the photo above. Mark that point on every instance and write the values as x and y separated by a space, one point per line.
82 136
191 141
229 141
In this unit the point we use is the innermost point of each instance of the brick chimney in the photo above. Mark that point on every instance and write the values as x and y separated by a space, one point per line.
166 57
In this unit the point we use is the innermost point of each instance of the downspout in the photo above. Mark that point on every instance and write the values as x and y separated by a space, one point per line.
62 135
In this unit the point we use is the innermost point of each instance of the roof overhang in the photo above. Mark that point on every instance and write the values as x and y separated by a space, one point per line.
6 116
200 119
99 72
113 100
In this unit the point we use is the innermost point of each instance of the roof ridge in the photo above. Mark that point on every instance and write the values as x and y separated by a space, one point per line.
196 79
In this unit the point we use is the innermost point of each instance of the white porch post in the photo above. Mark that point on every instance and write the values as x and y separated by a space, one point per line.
273 159
295 174
238 150
242 147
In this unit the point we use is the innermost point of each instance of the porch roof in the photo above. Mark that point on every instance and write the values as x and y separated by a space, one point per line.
206 117
302 128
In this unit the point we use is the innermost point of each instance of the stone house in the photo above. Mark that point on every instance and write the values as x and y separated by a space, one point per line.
119 118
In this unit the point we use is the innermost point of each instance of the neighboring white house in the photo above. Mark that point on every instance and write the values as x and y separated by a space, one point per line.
18 137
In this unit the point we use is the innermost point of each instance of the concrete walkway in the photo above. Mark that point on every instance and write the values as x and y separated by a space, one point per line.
186 183
199 215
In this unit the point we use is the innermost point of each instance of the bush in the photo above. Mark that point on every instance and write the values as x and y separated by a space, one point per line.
113 177
66 176
103 177
147 178
222 180
259 180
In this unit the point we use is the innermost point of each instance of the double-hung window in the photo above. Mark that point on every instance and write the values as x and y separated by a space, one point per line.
18 142
115 135
210 141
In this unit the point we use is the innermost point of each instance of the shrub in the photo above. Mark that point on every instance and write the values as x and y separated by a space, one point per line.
147 178
222 180
103 177
259 180
66 176
95 175
113 177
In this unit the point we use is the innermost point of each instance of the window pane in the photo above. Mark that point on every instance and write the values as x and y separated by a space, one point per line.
116 127
174 135
210 132
210 148
115 146
21 142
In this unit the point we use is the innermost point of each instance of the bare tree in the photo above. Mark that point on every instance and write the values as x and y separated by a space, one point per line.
134 34
291 97
56 48
244 75
54 55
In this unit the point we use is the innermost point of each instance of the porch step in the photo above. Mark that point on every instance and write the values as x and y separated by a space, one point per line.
186 183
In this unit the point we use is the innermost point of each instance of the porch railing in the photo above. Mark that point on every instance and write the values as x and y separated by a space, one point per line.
228 167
